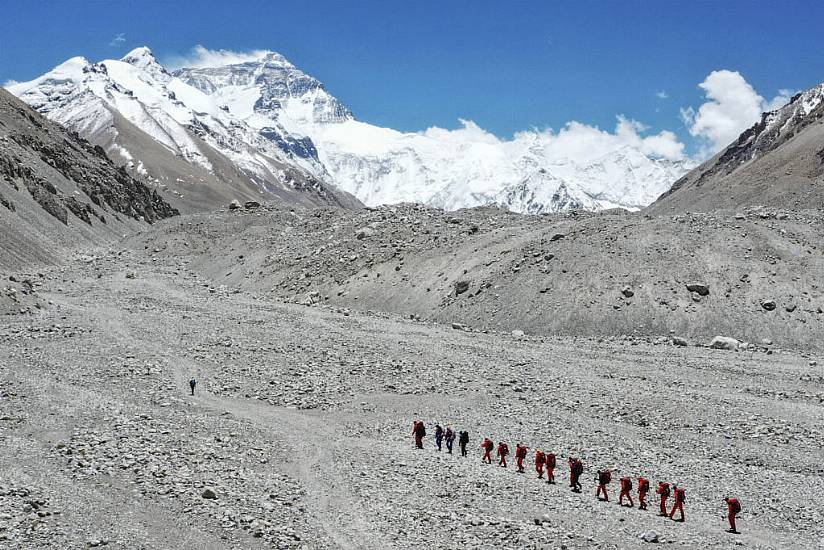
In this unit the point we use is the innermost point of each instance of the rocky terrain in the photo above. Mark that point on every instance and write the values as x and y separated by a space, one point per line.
56 190
755 275
297 436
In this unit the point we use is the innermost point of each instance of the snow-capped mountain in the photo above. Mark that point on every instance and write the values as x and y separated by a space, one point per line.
266 117
110 101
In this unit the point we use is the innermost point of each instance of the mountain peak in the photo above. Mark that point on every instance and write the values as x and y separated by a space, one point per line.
140 57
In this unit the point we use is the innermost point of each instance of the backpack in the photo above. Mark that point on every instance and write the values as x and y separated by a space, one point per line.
643 485
736 506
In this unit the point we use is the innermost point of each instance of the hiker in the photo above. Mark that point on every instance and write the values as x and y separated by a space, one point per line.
540 459
449 436
487 446
419 431
733 509
463 440
663 490
603 478
678 505
626 487
550 467
192 384
576 468
643 489
503 450
438 436
520 455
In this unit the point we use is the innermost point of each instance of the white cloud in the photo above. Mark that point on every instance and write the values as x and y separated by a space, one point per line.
784 96
118 39
733 106
576 141
201 56
584 143
661 94
10 82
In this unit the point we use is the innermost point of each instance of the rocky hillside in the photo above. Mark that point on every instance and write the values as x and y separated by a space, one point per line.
58 190
779 163
755 276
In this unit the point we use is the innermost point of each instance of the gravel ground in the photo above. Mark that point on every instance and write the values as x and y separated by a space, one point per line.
300 426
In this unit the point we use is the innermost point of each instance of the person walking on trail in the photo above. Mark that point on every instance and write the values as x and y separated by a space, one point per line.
626 487
463 441
503 450
438 436
192 384
603 478
520 456
540 459
449 437
643 489
487 446
576 468
550 467
419 431
663 491
680 497
733 509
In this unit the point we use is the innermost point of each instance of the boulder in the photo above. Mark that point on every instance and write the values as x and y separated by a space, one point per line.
768 305
363 233
209 494
234 205
249 205
678 341
649 536
556 237
627 292
699 288
724 342
461 287
518 333
457 326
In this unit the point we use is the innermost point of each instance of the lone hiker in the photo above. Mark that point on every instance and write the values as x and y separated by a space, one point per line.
449 436
419 431
503 450
540 460
626 487
463 440
550 463
487 446
192 384
438 436
643 489
733 509
664 491
678 505
576 468
603 478
520 455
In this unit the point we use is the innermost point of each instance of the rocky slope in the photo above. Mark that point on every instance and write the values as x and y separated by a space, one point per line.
778 163
58 190
754 276
160 128
298 433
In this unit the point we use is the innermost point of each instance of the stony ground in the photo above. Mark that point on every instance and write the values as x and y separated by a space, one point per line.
297 436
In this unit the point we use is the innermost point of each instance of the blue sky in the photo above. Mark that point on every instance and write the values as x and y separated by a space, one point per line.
508 66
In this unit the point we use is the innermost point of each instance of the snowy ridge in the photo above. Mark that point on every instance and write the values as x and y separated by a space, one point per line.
265 116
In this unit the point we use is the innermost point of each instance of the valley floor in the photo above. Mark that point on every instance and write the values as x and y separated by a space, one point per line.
300 427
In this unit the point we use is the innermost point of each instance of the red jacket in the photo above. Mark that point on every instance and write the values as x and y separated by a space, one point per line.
520 451
550 460
503 449
643 485
487 445
626 484
663 489
540 458
733 506
680 495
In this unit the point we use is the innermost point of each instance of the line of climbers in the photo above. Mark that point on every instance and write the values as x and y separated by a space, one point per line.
576 469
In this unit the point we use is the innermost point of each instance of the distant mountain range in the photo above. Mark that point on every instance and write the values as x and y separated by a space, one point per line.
266 129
